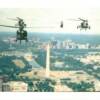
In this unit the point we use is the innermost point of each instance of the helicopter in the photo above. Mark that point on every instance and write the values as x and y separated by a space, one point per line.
83 25
21 34
61 24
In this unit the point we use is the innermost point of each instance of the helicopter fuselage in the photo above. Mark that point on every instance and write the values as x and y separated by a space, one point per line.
21 35
84 25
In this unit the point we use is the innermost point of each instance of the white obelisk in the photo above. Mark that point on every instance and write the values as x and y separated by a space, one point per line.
48 61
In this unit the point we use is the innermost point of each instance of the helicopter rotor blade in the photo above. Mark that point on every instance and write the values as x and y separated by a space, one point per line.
12 19
18 18
74 19
15 19
27 27
41 27
9 26
82 19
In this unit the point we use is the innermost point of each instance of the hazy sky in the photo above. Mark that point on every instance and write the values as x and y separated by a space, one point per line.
51 17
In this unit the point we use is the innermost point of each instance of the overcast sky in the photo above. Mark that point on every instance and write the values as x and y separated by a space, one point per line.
48 19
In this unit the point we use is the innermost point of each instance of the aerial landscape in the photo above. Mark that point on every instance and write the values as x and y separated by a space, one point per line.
48 59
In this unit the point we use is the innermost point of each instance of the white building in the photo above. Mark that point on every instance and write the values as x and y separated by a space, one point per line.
59 64
15 86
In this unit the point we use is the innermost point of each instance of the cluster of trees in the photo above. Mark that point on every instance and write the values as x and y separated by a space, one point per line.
7 67
81 87
75 64
45 85
71 62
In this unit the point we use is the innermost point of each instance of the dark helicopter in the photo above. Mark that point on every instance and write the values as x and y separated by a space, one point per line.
83 25
61 24
21 33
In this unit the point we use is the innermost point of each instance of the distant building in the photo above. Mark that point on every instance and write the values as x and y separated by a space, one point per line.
15 86
59 45
2 80
5 87
58 64
1 83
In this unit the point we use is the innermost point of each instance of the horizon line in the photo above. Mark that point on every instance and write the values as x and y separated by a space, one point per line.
59 33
